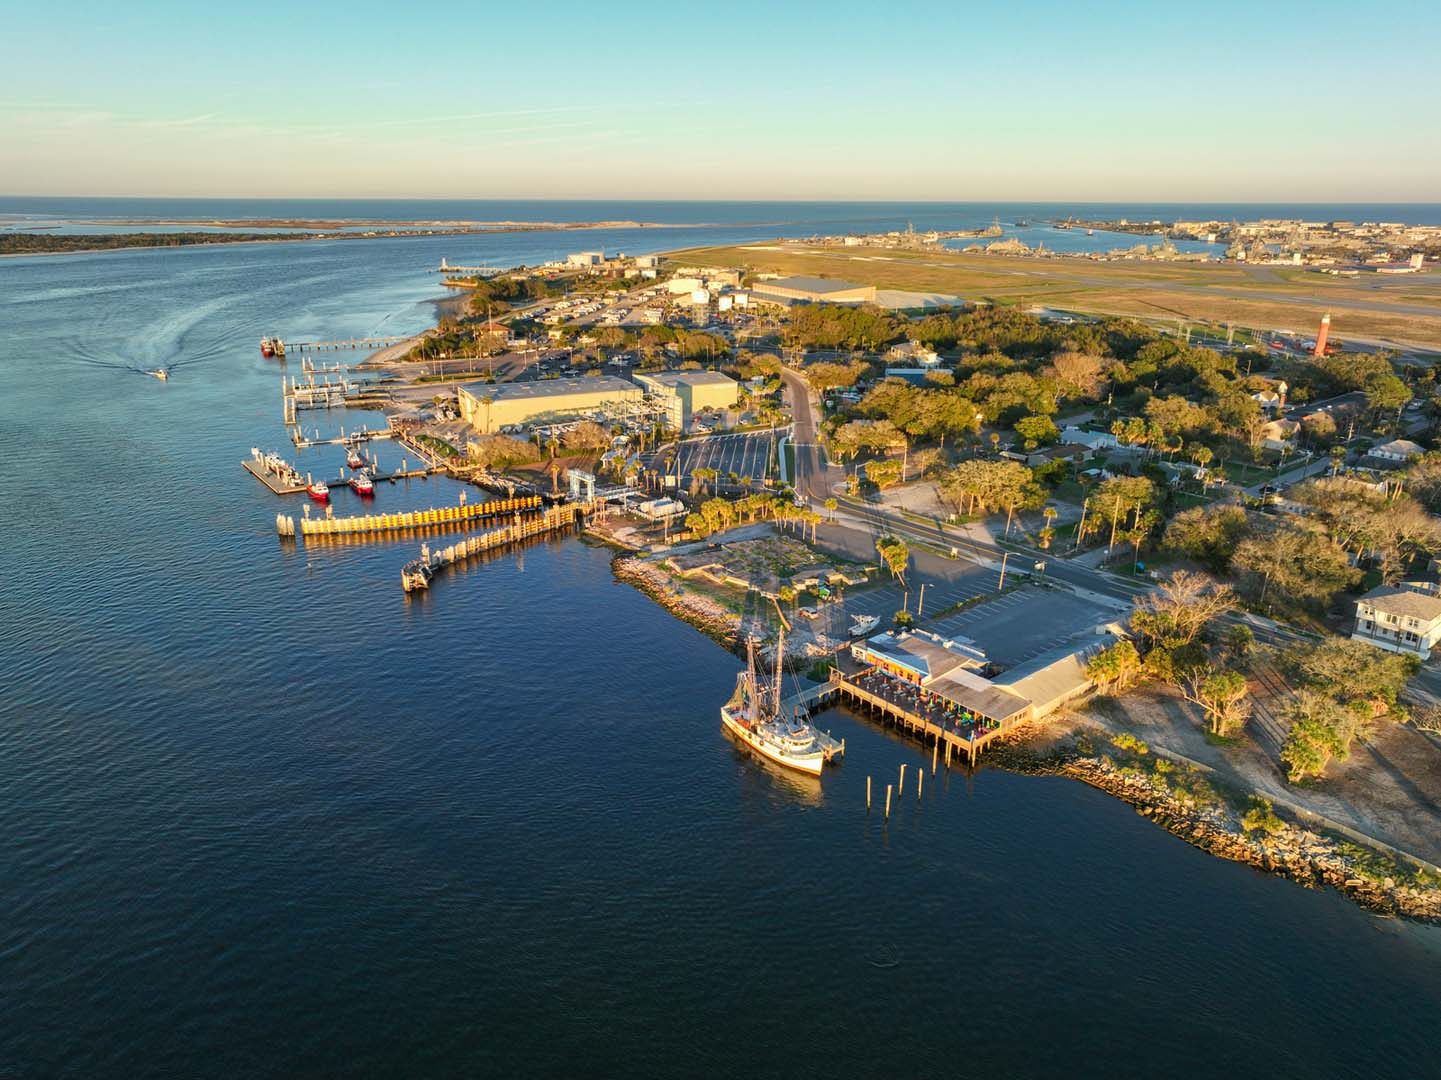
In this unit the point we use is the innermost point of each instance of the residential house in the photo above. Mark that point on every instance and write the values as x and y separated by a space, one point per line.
1400 618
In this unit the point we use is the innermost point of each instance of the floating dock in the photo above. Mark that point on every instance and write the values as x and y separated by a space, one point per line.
418 574
464 514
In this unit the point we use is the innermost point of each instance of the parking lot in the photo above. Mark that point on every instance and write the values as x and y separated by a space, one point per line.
750 454
1023 624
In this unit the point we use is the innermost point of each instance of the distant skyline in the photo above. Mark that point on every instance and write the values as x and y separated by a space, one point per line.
1268 102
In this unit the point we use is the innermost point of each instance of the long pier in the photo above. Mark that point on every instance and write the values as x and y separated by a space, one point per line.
370 524
469 271
346 343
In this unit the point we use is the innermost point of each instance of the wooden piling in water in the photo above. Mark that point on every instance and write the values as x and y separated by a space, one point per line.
888 802
920 783
935 753
868 794
901 786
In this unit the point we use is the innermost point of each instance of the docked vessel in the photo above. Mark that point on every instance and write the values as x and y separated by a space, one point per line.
361 483
417 573
319 490
754 716
279 347
267 347
353 458
274 463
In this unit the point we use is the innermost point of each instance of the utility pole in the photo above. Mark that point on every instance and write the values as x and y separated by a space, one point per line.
1002 583
921 605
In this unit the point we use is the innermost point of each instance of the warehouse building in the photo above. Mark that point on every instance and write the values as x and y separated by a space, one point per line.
685 393
812 290
488 407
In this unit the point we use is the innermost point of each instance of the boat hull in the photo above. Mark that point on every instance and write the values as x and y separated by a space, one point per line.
810 763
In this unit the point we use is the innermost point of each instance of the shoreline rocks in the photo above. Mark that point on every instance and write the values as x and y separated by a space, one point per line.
1309 858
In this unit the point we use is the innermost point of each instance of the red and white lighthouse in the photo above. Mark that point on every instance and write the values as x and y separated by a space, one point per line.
1321 335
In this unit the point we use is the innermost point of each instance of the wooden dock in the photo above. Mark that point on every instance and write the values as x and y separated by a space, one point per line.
442 516
878 707
553 520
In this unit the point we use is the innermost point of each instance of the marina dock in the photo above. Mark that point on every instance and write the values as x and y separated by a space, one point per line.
280 486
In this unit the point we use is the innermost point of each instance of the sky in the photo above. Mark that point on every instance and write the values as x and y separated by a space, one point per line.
1017 101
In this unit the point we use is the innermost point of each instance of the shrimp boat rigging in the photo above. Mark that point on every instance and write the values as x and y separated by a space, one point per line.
754 715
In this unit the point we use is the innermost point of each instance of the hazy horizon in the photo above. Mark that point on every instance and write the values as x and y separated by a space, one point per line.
1035 103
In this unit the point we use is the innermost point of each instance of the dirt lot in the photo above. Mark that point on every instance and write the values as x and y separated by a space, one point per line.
1389 788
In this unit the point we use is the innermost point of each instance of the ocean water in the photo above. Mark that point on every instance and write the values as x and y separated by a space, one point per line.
265 815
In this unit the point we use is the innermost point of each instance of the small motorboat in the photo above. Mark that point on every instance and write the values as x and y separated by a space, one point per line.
361 483
159 373
319 490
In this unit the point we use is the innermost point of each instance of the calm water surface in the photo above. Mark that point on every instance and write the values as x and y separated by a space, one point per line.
263 815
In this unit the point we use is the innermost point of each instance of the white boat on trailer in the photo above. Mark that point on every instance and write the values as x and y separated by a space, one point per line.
754 716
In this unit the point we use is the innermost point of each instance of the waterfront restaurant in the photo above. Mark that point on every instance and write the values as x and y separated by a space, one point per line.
916 656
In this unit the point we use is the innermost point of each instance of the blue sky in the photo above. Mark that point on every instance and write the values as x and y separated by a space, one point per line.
1196 102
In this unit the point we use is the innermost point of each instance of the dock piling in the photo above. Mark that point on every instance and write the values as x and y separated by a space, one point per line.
868 794
920 783
935 753
901 785
888 802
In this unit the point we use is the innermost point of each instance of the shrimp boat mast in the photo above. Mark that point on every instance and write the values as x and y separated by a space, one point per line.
754 716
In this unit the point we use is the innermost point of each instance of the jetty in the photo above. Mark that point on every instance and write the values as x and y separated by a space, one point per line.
417 573
442 516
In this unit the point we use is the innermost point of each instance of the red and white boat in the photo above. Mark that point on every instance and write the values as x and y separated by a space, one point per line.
353 458
267 347
361 483
319 490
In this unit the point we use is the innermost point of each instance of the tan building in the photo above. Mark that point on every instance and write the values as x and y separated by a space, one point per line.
488 407
686 393
812 290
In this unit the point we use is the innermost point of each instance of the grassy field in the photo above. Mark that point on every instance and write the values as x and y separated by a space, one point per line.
1195 293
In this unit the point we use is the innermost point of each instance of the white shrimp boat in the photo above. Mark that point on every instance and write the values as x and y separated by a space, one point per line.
753 715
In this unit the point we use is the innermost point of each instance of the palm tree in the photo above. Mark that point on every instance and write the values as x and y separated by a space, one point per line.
831 505
1049 513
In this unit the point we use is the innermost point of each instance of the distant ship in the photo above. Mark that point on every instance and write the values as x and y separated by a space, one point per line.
272 346
752 715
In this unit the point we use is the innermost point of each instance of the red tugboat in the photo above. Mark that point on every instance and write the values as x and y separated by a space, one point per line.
267 347
319 490
353 458
361 484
